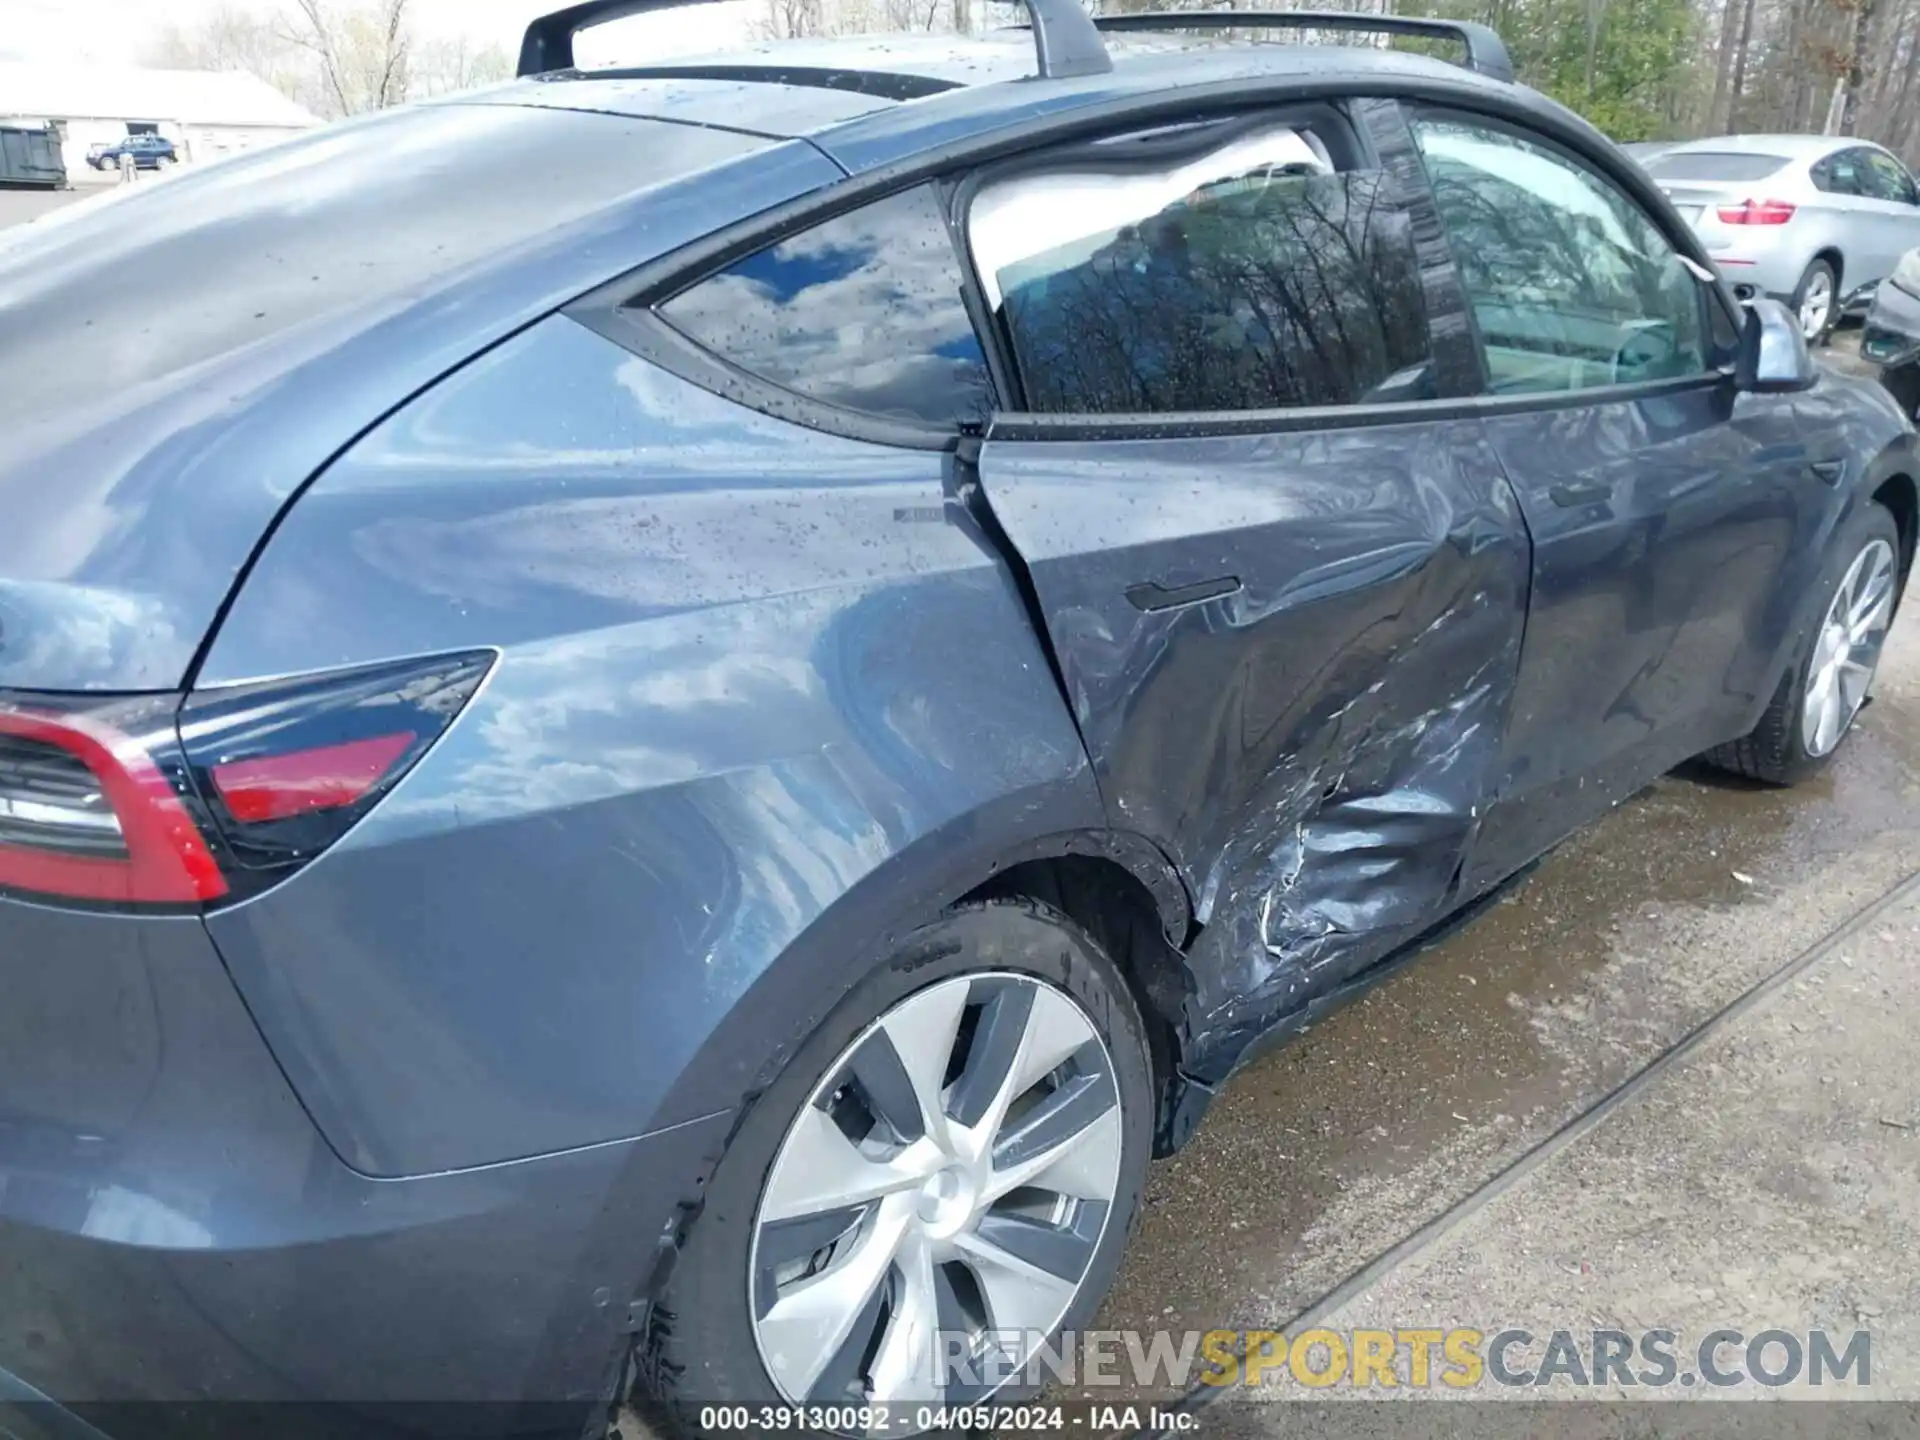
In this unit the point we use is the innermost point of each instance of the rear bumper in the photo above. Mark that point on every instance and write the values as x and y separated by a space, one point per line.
176 1240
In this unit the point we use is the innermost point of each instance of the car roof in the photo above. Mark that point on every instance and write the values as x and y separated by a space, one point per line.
1791 147
793 89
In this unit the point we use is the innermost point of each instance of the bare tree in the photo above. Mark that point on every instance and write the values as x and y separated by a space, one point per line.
441 67
361 52
232 38
793 19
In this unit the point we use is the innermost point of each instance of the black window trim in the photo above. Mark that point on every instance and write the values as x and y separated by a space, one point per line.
620 309
1664 219
1177 425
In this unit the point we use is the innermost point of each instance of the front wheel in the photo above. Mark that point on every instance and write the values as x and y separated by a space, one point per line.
1818 699
946 1171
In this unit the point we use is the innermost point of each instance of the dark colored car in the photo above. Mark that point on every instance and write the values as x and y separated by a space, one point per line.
1892 336
148 152
657 725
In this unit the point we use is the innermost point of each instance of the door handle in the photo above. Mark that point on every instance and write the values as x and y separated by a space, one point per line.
1587 493
1832 472
1151 596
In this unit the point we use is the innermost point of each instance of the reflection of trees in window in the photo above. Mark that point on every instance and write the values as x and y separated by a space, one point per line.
1552 278
863 310
1250 294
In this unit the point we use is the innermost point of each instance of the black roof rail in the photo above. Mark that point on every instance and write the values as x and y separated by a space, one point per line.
1064 35
1486 51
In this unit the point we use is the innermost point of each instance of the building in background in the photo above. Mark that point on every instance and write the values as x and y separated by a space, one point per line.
206 113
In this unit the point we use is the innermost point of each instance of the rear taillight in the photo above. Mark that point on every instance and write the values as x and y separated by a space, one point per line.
149 801
1756 212
88 810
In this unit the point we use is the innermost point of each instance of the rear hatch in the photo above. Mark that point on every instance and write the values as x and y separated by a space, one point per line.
179 357
1701 182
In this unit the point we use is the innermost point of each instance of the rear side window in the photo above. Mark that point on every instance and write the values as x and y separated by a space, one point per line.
1228 274
863 311
1715 165
1572 285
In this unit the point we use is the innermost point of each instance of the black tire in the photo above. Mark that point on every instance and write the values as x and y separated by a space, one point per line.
1775 750
699 1346
1903 383
1814 268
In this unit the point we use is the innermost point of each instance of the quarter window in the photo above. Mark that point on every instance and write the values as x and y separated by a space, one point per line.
1203 273
863 311
1572 285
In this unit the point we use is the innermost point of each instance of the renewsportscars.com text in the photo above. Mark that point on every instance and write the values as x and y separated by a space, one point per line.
1414 1357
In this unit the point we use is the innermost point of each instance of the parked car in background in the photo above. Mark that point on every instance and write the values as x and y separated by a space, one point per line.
1892 338
1816 221
148 152
665 744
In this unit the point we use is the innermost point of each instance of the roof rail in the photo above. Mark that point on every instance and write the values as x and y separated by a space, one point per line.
1064 36
1486 51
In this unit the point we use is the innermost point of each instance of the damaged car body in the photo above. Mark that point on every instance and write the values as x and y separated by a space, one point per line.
669 792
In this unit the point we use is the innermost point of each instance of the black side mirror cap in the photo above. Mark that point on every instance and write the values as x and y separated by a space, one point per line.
1774 358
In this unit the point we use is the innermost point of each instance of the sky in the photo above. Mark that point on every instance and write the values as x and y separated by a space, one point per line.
115 32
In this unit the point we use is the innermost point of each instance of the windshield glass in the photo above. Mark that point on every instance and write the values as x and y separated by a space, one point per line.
161 275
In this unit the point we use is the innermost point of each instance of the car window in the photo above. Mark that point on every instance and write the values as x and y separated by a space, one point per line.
1723 165
349 217
1572 284
1841 174
1887 178
1229 270
864 311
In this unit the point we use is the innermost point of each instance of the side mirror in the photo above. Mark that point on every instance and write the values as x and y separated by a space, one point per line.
1774 358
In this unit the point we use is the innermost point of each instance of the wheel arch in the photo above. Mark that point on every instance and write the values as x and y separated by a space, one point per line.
1899 494
980 853
1105 882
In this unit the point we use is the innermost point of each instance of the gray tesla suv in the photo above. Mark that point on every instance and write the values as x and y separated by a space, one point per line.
656 726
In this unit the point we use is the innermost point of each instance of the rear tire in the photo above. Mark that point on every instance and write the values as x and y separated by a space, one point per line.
712 1335
1816 301
1789 745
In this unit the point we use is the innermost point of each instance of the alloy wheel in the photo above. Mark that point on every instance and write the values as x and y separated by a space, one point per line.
1816 304
942 1194
1847 650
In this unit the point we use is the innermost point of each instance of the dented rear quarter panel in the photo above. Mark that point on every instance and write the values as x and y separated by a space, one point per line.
763 695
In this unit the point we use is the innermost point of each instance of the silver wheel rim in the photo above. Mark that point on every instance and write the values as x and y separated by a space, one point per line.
942 1193
1816 304
1847 650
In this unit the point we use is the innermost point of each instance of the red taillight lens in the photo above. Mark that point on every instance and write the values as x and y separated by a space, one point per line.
1756 212
288 767
279 787
87 814
149 801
